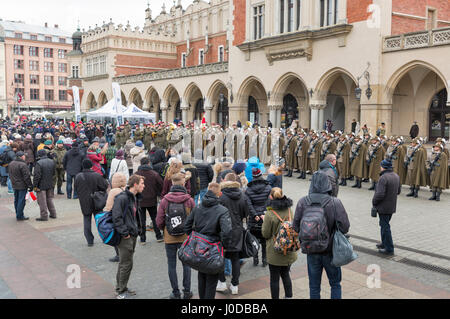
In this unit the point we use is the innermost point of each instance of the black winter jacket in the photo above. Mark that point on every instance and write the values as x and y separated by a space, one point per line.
158 160
210 219
206 174
153 186
86 183
320 193
235 200
125 214
73 161
386 192
19 174
258 191
44 174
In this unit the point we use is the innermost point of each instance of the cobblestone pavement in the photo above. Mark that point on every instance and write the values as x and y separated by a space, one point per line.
34 256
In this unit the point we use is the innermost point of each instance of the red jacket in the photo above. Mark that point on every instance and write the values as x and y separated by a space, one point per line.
96 159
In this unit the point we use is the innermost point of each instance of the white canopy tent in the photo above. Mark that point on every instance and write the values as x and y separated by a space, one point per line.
135 113
106 111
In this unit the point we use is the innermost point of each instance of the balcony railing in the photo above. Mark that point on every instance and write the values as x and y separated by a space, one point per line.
416 40
204 69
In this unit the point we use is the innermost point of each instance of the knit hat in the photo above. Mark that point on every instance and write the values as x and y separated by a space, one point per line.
48 142
239 167
60 142
139 144
20 154
28 136
386 164
42 153
120 154
87 164
256 172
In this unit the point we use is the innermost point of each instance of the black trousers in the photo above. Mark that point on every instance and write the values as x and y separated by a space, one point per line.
87 224
275 273
207 285
152 211
235 268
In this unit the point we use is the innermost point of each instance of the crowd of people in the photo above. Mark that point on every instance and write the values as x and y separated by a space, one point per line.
212 181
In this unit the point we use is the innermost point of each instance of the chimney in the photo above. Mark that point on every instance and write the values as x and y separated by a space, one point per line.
56 26
46 24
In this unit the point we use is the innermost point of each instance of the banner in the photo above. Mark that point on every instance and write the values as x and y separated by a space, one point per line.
76 102
117 94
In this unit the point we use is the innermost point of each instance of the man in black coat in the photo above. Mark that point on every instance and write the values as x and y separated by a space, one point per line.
385 202
233 199
213 220
72 163
320 194
128 225
205 173
19 175
44 184
87 183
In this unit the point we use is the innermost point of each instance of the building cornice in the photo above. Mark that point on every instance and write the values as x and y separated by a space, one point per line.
95 77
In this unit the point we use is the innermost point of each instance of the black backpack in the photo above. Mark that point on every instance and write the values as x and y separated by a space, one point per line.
5 159
175 219
314 234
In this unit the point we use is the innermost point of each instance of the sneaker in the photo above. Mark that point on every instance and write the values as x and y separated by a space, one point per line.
123 295
188 295
160 239
221 286
234 289
54 217
114 259
174 296
41 219
131 292
23 219
143 243
91 245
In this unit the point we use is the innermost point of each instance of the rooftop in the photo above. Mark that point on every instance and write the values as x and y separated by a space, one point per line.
11 27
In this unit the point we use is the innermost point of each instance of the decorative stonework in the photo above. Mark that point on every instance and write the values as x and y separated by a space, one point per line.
302 49
417 40
212 68
96 78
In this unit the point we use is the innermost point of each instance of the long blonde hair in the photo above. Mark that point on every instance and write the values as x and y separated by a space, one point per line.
174 168
276 193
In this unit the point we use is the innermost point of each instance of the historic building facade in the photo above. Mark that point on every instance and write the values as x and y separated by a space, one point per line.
3 102
312 60
36 67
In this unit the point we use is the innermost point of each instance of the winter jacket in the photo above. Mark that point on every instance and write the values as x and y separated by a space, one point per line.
19 174
87 183
158 160
210 219
72 161
119 166
235 201
320 193
59 157
386 192
167 184
153 186
331 171
95 159
125 214
127 148
206 174
28 148
137 153
118 185
275 180
177 194
44 173
194 180
257 192
270 228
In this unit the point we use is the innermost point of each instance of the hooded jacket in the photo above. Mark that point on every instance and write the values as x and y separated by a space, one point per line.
235 200
72 161
125 214
328 169
158 160
210 219
257 192
177 194
320 194
137 153
205 173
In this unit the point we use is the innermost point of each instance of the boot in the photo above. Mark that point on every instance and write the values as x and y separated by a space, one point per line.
416 191
359 183
351 178
356 183
344 182
60 191
433 197
300 176
255 261
290 173
438 196
411 192
304 175
371 188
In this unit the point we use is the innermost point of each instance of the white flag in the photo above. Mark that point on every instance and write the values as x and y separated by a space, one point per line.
117 102
76 102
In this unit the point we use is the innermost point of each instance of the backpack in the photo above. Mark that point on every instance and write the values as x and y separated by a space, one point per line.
5 159
314 235
175 219
105 227
286 239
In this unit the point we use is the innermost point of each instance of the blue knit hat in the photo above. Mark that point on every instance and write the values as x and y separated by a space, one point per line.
239 167
139 144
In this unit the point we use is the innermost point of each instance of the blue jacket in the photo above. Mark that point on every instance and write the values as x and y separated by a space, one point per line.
253 162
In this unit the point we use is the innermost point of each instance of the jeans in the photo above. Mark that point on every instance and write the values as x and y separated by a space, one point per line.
207 285
386 235
152 211
233 257
228 267
10 189
171 253
19 202
275 273
316 264
70 179
199 197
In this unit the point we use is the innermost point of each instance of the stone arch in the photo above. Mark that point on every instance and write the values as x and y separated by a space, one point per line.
327 79
253 87
91 103
152 102
171 97
218 96
102 99
136 98
191 97
124 99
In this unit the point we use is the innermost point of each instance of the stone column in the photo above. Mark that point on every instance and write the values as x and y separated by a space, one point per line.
286 16
208 108
163 106
275 115
321 119
184 108
317 115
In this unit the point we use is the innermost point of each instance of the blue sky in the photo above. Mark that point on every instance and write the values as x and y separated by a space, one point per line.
66 13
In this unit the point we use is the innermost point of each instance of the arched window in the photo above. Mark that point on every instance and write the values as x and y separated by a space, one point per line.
289 113
199 110
253 111
222 111
178 113
439 116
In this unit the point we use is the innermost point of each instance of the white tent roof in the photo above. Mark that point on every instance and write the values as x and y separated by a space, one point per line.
106 110
135 112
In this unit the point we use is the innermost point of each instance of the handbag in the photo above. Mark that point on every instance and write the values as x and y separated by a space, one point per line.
99 199
343 253
201 253
250 245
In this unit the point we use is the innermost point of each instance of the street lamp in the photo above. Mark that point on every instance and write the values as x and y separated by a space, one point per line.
358 90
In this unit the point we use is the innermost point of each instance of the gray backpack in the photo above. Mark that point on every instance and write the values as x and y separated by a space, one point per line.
314 235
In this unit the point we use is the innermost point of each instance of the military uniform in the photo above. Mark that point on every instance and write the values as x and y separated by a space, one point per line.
302 154
328 146
358 161
59 167
415 162
315 147
343 160
437 166
290 157
374 156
